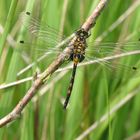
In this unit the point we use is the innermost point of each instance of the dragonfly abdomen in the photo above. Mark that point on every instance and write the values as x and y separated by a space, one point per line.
70 86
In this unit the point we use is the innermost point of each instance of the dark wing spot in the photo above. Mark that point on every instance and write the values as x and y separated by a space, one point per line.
134 68
21 41
28 13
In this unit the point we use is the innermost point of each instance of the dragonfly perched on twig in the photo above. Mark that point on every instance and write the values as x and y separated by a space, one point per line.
78 43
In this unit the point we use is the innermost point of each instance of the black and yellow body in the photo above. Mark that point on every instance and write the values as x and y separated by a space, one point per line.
78 54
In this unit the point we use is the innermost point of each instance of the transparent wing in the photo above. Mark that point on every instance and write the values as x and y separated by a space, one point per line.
106 48
51 37
91 53
37 49
40 30
100 50
115 57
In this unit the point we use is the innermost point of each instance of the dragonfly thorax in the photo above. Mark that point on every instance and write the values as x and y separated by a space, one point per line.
79 46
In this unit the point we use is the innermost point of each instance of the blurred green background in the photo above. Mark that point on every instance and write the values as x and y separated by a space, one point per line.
95 93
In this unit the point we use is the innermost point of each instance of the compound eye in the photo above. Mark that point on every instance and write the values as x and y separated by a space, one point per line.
80 57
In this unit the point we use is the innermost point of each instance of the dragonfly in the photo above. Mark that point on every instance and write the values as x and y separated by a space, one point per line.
78 43
78 54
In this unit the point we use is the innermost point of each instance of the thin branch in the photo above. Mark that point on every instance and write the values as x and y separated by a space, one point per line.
4 86
44 89
89 23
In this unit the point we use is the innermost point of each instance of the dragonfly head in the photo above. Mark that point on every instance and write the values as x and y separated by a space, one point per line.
82 34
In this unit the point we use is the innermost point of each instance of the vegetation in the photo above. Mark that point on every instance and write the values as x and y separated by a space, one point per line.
98 89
